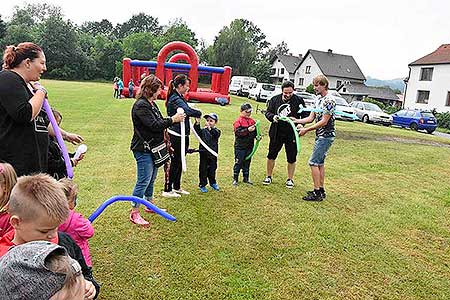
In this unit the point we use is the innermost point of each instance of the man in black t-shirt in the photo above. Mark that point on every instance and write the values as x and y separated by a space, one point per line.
281 133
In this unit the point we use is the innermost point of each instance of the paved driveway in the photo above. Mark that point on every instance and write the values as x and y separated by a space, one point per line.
441 134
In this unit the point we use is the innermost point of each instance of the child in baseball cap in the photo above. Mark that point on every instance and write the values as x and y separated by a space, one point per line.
210 134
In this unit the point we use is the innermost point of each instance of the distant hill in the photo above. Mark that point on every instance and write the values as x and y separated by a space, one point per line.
393 84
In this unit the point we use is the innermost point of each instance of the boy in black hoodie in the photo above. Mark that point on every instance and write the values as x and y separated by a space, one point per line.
208 162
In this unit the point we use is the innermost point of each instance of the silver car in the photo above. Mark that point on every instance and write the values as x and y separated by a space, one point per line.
343 106
371 113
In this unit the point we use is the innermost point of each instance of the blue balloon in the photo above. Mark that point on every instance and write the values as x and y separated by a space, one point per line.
121 198
340 113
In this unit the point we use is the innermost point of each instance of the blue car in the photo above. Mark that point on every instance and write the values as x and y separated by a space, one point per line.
415 119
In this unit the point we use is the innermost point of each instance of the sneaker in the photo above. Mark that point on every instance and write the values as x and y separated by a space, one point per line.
170 194
135 217
247 181
322 193
235 182
181 192
215 186
289 183
149 211
313 196
267 180
203 189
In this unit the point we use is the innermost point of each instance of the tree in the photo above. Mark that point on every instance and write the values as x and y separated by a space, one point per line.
2 28
238 45
281 48
139 23
32 14
106 55
60 44
310 89
93 28
141 45
178 30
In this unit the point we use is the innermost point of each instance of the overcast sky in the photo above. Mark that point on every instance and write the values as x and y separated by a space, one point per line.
383 36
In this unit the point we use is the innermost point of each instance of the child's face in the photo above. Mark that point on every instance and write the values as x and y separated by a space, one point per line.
40 228
210 122
246 113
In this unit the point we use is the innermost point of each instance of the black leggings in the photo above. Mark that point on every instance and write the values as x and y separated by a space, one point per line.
175 165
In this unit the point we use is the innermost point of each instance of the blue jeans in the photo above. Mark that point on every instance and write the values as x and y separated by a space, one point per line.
146 175
320 150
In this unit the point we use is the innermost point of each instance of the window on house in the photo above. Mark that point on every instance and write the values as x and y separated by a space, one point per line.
448 99
344 90
423 97
338 83
273 71
426 74
282 71
301 81
308 70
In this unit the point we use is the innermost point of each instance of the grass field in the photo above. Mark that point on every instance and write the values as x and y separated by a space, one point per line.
382 233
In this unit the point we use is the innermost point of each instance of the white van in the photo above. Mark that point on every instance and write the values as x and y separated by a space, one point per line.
241 85
261 91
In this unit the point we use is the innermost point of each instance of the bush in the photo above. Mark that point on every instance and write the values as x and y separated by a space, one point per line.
378 103
391 109
443 120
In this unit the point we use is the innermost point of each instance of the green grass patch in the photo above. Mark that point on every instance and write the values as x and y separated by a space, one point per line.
382 233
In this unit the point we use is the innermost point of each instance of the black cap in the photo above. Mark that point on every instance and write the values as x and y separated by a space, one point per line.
246 106
212 116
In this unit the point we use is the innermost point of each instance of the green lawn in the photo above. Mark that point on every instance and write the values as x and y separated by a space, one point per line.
382 233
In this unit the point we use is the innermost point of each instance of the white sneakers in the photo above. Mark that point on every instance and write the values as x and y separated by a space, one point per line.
170 194
175 193
182 192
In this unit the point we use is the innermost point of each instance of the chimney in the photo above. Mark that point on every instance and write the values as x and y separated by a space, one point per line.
330 51
290 53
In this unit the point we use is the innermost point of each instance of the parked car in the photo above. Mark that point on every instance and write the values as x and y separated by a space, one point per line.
277 91
371 113
240 85
261 92
309 99
415 119
343 106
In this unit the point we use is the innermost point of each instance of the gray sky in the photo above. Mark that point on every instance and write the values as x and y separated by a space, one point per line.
383 36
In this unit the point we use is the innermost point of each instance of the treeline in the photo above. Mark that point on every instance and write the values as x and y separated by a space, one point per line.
94 49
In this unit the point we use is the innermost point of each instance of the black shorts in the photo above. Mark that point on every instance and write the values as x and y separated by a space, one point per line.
290 148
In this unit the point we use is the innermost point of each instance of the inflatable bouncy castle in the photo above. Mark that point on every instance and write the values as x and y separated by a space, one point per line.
163 69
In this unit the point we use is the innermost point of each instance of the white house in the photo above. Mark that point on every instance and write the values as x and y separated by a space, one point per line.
428 83
283 67
339 69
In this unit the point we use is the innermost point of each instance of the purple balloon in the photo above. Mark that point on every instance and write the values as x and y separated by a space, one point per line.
59 138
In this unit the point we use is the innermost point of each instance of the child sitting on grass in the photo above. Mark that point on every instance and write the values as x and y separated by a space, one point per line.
8 179
245 134
208 162
37 207
76 226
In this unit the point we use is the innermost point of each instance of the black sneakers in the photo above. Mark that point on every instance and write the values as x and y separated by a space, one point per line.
315 195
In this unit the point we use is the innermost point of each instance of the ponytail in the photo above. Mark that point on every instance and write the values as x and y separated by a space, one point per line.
13 56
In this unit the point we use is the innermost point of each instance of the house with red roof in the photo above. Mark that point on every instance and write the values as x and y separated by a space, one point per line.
428 82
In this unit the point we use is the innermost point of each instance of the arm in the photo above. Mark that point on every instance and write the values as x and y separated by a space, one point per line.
148 120
190 112
319 124
67 136
215 133
15 100
309 119
197 128
84 228
270 112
